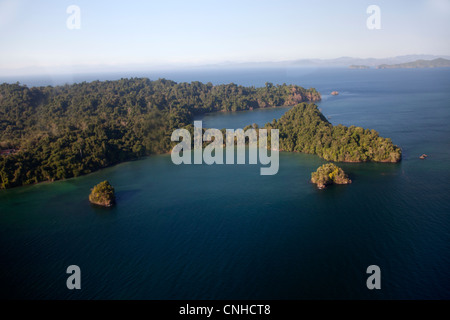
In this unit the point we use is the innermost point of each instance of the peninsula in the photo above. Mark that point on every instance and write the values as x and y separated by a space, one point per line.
305 129
71 130
436 63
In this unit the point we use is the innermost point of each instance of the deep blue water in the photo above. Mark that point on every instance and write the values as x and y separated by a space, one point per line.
226 232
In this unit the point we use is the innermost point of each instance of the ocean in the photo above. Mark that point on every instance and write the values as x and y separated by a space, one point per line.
226 232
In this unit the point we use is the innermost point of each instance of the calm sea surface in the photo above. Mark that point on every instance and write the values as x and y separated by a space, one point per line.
226 232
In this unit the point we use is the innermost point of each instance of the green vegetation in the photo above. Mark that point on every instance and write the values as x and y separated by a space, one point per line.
66 131
328 174
436 63
103 194
305 129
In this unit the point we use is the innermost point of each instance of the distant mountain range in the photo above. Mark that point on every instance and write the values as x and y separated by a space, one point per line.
338 62
435 63
131 69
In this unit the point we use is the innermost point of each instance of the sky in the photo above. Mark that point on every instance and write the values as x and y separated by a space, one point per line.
34 34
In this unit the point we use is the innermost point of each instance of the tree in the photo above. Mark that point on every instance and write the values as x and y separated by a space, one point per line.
103 194
71 130
328 174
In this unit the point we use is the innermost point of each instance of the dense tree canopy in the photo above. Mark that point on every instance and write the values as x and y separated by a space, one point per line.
103 194
305 129
66 131
327 174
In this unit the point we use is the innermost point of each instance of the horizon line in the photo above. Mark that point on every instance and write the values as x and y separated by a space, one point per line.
128 67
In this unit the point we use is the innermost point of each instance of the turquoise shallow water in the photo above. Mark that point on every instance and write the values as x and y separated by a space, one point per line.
226 232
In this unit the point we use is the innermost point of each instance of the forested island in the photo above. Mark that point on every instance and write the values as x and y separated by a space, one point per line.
328 174
66 131
103 194
435 63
